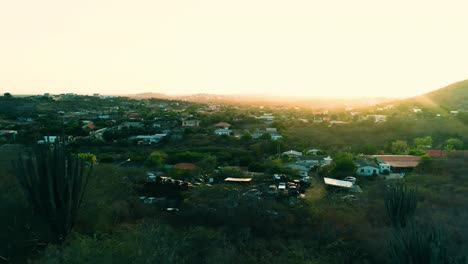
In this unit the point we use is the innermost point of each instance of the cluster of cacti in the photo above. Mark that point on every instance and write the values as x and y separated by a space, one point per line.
420 243
54 181
401 203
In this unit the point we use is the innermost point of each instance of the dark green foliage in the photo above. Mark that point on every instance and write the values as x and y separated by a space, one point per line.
421 243
343 165
53 181
401 203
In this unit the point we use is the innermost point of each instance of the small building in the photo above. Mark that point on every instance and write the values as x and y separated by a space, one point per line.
185 166
238 180
399 163
223 125
48 139
150 139
338 183
223 132
292 153
367 167
190 123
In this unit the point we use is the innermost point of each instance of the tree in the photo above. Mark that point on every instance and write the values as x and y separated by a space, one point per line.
7 95
399 147
54 182
453 143
401 203
423 142
207 164
156 159
87 157
344 164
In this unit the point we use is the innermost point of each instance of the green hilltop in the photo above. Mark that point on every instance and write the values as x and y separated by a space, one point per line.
451 97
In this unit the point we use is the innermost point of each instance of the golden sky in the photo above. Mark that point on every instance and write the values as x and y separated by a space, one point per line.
288 47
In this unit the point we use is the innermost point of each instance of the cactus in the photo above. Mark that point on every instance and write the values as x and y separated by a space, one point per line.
400 203
53 181
423 243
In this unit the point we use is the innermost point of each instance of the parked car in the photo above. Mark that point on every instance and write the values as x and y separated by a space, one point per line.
281 187
350 179
272 189
151 178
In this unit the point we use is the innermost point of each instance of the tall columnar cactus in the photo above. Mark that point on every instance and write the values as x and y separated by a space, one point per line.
401 203
54 181
423 243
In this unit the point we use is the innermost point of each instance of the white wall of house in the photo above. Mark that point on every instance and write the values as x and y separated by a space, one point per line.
383 167
367 171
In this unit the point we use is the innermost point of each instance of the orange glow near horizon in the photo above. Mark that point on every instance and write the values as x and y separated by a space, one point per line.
298 48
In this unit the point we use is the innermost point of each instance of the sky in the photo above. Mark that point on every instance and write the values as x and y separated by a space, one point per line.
340 48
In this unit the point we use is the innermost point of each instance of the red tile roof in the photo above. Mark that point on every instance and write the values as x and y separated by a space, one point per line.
400 161
185 166
222 124
436 153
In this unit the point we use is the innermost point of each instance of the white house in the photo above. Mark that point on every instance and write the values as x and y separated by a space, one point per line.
47 139
150 139
223 132
366 167
292 153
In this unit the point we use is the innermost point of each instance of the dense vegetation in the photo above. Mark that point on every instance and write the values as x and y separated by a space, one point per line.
389 222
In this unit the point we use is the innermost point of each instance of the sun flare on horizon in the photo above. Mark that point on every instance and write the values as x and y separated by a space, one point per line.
297 48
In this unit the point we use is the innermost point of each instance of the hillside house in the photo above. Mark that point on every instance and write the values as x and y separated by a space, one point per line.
223 132
292 153
190 123
313 160
149 139
367 167
398 163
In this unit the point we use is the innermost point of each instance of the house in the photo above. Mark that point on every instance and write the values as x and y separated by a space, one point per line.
378 118
185 166
313 160
89 126
8 132
131 124
47 139
313 151
417 110
367 167
223 132
223 125
149 139
292 153
399 163
190 123
268 117
272 131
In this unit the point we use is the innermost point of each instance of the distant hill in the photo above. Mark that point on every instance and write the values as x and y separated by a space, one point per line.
149 95
271 100
451 97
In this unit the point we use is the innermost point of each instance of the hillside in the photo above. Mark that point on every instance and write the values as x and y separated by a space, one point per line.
451 97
